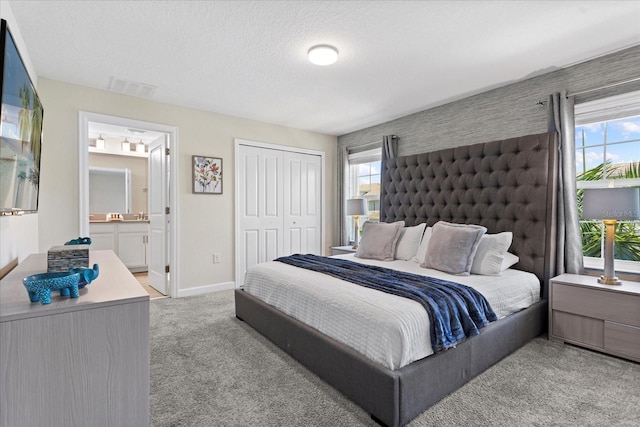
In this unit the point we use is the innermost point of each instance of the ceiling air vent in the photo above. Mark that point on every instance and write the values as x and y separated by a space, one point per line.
128 87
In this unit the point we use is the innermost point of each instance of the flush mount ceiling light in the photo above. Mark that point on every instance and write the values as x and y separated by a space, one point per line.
323 54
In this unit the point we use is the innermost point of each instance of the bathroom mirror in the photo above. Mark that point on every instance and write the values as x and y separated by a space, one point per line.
109 190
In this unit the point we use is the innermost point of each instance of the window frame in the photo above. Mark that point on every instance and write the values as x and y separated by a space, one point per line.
607 110
354 159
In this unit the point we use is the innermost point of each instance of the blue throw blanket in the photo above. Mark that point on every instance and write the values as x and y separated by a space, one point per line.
456 311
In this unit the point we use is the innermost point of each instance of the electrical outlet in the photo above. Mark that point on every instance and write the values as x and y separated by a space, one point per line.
216 257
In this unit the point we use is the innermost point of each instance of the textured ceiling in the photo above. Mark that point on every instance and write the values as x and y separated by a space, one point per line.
248 58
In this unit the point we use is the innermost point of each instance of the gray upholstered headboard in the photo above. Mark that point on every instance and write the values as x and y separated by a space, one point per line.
507 185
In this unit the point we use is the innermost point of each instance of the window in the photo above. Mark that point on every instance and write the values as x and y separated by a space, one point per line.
364 182
607 137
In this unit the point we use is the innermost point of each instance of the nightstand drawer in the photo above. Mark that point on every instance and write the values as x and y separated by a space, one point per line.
596 303
622 339
576 328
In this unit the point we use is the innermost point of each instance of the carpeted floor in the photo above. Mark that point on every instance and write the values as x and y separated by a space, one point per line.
210 369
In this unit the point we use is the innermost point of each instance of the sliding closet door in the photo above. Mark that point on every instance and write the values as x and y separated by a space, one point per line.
302 203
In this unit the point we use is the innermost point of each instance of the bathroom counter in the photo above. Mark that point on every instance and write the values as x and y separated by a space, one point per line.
117 221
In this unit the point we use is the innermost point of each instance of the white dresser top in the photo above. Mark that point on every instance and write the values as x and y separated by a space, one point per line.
115 285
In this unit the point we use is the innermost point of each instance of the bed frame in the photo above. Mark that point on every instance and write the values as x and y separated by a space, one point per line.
507 185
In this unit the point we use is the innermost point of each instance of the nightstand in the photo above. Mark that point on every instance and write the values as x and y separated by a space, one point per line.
339 250
600 317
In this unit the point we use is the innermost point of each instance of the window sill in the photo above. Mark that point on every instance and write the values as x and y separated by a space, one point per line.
634 277
624 270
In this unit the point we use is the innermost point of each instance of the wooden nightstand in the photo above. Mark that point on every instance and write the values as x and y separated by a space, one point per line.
339 250
600 317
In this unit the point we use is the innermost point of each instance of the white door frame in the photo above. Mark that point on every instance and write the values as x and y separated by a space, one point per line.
83 179
238 169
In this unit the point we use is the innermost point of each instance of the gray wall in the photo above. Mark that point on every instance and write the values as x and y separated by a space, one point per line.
506 112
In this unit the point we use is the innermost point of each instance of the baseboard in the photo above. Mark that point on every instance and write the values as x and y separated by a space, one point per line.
207 289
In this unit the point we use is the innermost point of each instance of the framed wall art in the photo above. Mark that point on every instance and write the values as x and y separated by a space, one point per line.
207 175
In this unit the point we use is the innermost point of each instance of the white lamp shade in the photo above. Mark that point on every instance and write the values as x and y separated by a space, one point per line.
356 207
611 203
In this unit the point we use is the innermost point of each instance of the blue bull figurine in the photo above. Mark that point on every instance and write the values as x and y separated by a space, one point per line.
40 286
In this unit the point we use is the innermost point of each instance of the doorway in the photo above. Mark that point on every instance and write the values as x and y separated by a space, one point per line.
160 182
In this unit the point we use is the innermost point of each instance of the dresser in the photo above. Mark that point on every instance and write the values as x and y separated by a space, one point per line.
77 361
600 317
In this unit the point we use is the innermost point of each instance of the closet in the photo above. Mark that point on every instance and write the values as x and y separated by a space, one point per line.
278 203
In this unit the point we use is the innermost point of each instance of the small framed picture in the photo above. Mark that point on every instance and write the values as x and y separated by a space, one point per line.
207 175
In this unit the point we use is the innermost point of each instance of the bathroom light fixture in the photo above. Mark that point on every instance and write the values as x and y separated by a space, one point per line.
126 146
323 54
100 143
140 147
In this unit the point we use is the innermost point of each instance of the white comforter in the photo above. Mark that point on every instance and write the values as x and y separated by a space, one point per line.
390 330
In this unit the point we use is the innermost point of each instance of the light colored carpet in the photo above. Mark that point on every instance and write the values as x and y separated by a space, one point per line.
210 369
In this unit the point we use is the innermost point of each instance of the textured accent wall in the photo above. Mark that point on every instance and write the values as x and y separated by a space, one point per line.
506 112
501 113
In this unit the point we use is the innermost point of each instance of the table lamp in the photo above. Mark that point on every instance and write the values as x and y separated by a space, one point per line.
355 208
610 205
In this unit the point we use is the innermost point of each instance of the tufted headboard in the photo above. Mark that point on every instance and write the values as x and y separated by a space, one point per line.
507 185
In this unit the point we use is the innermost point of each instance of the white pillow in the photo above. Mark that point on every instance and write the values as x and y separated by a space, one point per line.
379 240
452 247
509 260
409 241
424 244
491 252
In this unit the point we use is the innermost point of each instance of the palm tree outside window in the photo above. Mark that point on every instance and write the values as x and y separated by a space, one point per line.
607 136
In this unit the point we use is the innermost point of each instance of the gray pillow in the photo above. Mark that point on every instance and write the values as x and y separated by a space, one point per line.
452 247
409 241
379 240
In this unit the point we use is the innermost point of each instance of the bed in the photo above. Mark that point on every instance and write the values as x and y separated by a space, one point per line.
507 185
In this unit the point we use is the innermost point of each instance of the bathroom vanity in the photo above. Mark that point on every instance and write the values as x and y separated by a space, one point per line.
129 239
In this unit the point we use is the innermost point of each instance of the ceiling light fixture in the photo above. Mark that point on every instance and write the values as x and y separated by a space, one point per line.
126 146
323 54
100 143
